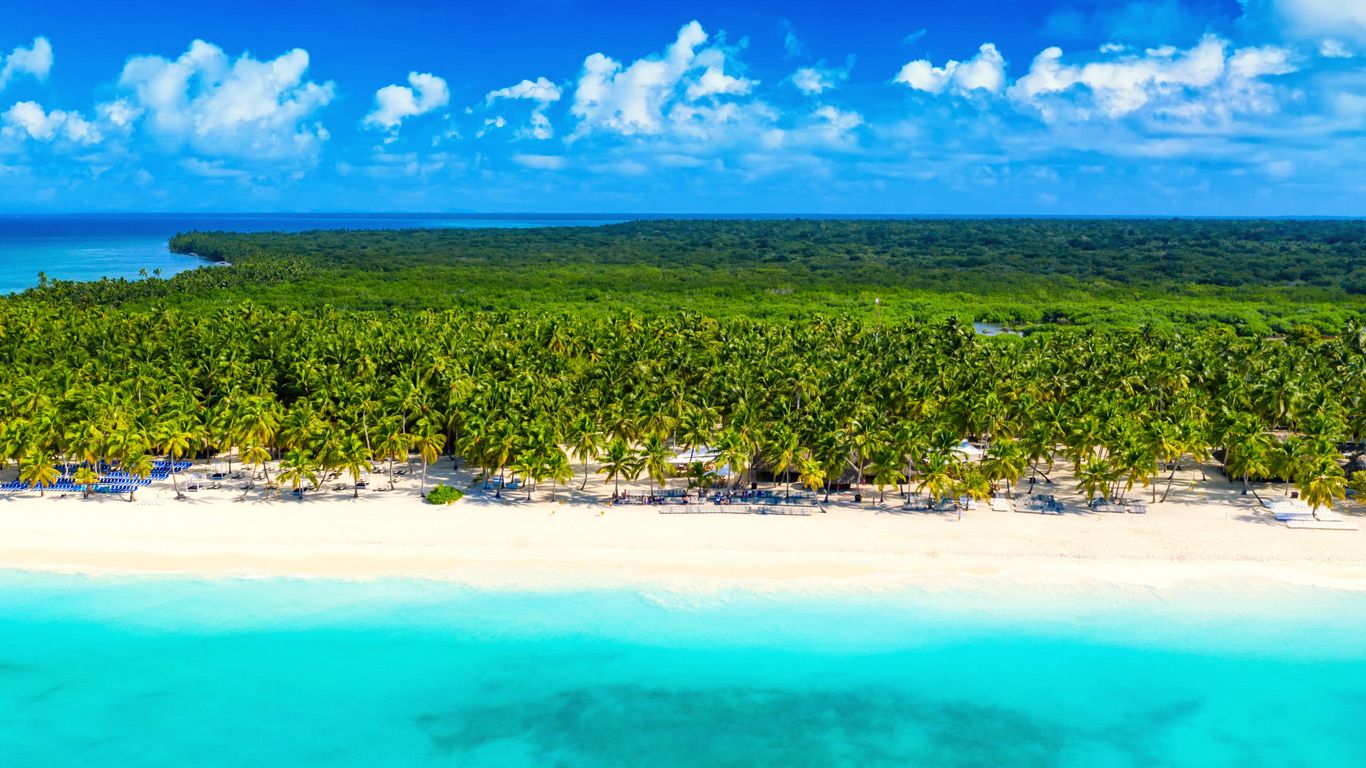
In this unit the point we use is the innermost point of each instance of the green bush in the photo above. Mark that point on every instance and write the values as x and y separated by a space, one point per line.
444 494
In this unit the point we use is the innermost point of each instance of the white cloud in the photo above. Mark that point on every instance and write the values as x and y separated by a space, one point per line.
36 61
835 127
213 169
984 72
540 162
1327 18
491 124
1205 80
246 108
28 120
819 78
396 103
118 113
714 81
540 90
1334 49
540 127
657 91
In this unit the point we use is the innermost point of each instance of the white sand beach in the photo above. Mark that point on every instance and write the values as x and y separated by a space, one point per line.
1206 530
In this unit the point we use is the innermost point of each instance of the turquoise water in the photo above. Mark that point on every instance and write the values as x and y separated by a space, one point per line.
273 672
91 246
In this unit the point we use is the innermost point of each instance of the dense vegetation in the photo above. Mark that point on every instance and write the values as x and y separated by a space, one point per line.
331 391
327 351
1258 277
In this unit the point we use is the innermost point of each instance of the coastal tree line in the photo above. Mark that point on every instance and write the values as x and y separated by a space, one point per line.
816 401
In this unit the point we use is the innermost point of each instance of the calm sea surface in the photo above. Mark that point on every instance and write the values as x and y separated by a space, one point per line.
144 672
88 247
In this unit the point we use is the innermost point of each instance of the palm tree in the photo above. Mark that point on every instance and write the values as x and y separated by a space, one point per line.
1358 486
525 468
783 451
138 465
297 469
811 473
700 477
87 478
393 444
429 442
585 440
618 461
355 460
256 455
974 484
937 479
1095 477
1006 461
1247 456
40 471
886 469
559 470
733 452
1322 482
654 459
175 442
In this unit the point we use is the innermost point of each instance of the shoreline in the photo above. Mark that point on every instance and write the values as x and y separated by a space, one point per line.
1209 533
1156 576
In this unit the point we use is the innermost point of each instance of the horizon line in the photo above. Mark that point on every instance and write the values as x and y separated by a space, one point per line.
665 215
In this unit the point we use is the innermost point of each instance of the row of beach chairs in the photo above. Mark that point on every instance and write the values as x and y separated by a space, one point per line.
736 509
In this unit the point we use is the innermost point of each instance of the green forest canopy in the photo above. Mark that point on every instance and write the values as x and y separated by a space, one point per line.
519 350
1258 277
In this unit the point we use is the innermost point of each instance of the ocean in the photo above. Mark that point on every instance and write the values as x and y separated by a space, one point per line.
155 672
91 246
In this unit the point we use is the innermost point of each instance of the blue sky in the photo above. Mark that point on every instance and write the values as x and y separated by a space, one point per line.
1165 107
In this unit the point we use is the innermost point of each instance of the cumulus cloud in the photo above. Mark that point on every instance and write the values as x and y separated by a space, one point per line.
246 108
28 120
1205 79
655 92
396 103
1334 49
832 128
35 61
118 113
541 91
819 78
984 72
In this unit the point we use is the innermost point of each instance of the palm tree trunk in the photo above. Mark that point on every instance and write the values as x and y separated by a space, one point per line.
585 475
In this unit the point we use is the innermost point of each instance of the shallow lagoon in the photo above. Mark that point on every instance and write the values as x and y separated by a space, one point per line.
154 672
